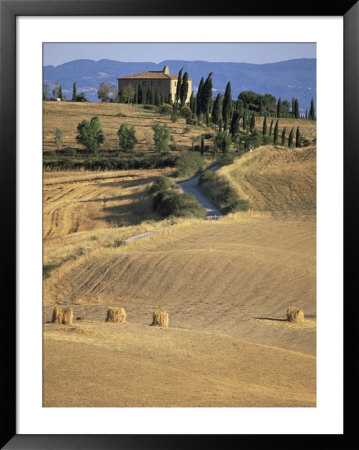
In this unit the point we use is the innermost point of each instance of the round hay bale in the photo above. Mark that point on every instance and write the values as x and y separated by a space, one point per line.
116 315
62 315
160 319
295 314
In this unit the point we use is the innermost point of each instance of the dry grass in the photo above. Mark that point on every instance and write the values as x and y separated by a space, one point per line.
116 315
160 319
236 270
295 314
193 368
67 115
62 315
75 202
275 179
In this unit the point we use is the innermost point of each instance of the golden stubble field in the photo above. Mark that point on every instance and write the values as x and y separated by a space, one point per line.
275 178
67 115
226 286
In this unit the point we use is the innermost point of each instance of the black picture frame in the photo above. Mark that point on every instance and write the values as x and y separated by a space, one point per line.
9 10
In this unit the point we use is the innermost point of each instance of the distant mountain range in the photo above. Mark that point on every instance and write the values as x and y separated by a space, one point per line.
295 78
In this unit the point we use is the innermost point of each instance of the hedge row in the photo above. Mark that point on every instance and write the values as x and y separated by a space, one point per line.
149 162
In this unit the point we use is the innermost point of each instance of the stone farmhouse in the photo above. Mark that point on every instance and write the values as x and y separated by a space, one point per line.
163 81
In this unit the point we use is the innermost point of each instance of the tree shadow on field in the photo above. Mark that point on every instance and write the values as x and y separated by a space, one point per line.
276 319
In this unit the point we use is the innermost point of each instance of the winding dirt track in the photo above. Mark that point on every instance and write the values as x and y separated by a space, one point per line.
190 187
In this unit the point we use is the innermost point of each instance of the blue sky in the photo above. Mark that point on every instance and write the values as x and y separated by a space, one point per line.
255 53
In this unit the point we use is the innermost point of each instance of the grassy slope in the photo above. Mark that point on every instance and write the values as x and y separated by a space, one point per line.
275 179
236 277
123 365
221 282
67 115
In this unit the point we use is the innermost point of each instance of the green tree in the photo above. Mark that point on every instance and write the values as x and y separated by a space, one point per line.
157 98
59 139
217 110
283 136
105 90
45 92
178 88
206 95
90 134
199 98
57 91
74 93
127 137
264 126
311 111
234 127
252 123
192 103
184 89
261 106
275 133
271 128
297 138
161 136
279 105
227 105
223 141
244 124
202 145
291 137
128 93
296 109
81 97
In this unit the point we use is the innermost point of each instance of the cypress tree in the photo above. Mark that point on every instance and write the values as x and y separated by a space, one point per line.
139 94
291 137
293 107
202 146
74 92
60 92
191 103
244 124
297 138
311 111
275 133
135 99
283 136
234 128
261 106
252 123
271 128
184 89
157 98
178 89
227 105
199 97
217 110
264 126
206 95
279 105
296 109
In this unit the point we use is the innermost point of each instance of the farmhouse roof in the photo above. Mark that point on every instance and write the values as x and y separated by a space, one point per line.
152 75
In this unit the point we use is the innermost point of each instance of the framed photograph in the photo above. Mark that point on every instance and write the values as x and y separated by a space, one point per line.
175 249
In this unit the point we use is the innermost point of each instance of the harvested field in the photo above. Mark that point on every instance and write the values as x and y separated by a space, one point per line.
67 115
150 367
233 276
84 201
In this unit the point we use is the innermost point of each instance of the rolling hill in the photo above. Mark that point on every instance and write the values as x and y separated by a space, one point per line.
287 79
